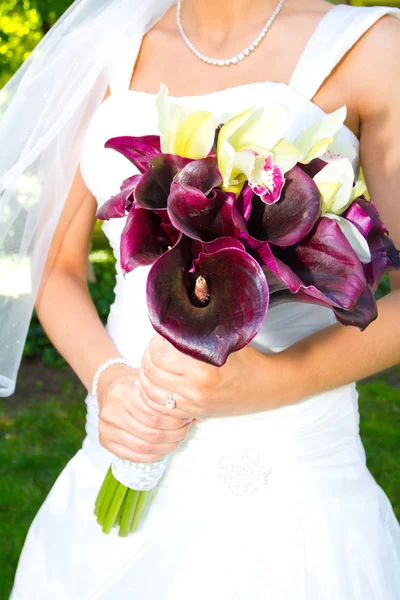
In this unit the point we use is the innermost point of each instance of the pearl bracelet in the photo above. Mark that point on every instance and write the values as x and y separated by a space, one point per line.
109 363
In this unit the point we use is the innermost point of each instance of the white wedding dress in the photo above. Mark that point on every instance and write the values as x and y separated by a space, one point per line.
275 505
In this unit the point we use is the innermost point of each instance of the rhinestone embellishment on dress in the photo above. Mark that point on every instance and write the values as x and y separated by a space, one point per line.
243 474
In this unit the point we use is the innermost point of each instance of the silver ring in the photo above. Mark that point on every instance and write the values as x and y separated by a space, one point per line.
170 402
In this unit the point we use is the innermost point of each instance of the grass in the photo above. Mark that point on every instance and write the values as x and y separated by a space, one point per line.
37 439
35 444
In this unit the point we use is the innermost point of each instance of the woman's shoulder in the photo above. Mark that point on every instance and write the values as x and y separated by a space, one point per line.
371 69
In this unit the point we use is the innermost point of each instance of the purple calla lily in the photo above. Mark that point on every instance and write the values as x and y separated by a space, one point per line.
361 315
138 150
208 300
153 189
323 266
144 238
244 201
288 220
118 205
313 167
363 312
202 174
364 215
203 217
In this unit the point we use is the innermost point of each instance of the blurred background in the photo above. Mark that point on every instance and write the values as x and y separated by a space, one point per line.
42 425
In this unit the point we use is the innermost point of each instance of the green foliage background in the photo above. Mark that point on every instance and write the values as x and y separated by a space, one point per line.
22 25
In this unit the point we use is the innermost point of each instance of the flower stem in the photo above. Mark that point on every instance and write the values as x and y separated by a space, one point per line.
131 500
142 504
111 488
102 491
113 511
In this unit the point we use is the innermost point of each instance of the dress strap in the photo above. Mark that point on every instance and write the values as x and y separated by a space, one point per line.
334 36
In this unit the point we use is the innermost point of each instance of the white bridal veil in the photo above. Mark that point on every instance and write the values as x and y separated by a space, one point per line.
45 110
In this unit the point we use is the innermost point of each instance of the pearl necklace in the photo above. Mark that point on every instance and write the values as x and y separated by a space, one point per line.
234 60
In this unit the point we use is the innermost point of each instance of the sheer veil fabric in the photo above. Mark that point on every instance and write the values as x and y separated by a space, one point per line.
45 110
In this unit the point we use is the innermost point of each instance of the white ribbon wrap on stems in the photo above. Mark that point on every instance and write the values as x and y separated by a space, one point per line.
139 476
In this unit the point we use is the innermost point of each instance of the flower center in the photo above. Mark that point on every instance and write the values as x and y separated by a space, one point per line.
201 290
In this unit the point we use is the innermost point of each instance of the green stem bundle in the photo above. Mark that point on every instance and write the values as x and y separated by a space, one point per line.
116 505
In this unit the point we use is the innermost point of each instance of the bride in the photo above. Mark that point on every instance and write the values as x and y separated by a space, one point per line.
266 494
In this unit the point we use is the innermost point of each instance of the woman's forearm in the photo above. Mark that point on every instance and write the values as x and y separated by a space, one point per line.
69 317
339 355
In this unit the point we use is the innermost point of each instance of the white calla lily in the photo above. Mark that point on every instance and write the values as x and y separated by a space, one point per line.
356 240
170 117
187 134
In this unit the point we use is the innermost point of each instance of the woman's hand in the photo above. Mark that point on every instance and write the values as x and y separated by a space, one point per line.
249 381
130 428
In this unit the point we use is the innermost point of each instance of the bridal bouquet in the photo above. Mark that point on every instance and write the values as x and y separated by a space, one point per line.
236 219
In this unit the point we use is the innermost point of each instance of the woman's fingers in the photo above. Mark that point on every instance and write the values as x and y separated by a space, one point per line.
110 435
126 400
155 415
136 429
132 429
155 397
158 374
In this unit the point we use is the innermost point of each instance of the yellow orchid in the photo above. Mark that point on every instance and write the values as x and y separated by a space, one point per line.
250 147
320 138
186 134
335 183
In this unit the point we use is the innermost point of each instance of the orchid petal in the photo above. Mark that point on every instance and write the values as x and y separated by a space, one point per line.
339 149
353 236
244 162
286 155
267 179
138 150
358 190
314 141
229 128
263 129
339 174
226 159
232 315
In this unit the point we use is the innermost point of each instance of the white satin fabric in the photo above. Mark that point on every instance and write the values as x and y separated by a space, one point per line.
275 505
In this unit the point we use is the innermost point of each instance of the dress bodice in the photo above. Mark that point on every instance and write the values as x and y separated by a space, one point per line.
128 112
